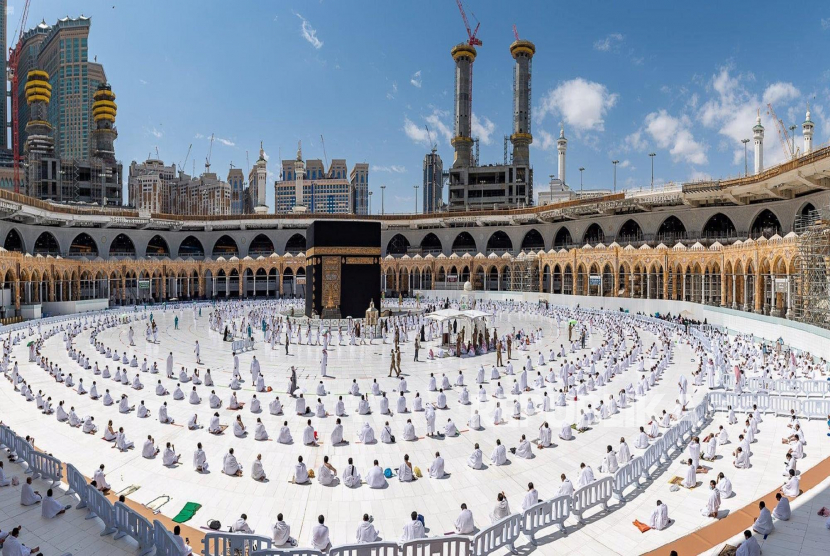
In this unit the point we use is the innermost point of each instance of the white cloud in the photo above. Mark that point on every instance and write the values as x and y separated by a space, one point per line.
483 129
142 81
199 136
780 92
226 142
437 127
416 79
611 41
581 104
391 95
415 132
636 141
394 169
625 163
674 134
825 24
544 140
309 33
158 134
698 175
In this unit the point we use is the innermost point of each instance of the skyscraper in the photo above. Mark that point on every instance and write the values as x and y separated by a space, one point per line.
4 117
433 182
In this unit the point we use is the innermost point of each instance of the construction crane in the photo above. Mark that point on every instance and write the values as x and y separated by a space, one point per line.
783 136
515 32
325 156
14 60
181 166
210 152
472 39
433 146
158 157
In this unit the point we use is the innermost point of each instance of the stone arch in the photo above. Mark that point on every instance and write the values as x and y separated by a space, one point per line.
226 247
499 242
563 238
533 241
83 246
14 242
398 245
593 235
671 230
191 247
46 244
157 247
464 242
295 244
122 246
431 244
765 224
261 245
719 226
630 232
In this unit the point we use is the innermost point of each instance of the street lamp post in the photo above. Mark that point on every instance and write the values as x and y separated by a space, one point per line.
416 197
370 202
652 155
382 195
615 162
580 179
746 168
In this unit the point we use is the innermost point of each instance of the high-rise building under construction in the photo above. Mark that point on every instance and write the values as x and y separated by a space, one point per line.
510 184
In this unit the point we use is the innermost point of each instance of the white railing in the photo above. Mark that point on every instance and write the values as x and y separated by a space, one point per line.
286 552
812 388
220 544
381 548
782 405
544 514
164 541
502 533
651 457
77 485
597 493
23 451
627 475
437 546
130 523
101 508
815 409
47 467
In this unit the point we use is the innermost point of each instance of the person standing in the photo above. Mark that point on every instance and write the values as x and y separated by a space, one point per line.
509 347
398 358
417 347
176 322
392 368
498 354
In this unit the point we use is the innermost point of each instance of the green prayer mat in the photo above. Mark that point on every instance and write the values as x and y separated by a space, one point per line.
187 512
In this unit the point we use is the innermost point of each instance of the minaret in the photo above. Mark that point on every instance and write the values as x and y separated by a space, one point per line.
260 172
103 114
758 135
562 146
299 172
522 51
807 130
462 140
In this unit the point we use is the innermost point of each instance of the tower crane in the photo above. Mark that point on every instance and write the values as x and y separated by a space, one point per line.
433 146
181 166
210 152
325 156
14 60
515 32
472 39
783 136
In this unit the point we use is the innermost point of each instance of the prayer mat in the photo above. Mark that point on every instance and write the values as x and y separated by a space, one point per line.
187 512
641 526
676 481
128 490
728 550
157 502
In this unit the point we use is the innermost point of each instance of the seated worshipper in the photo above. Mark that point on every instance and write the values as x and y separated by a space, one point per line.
230 466
724 486
215 401
436 469
545 436
502 508
300 472
163 416
178 393
239 430
375 477
782 508
763 523
241 525
194 398
29 496
281 533
13 547
405 473
791 487
285 434
366 532
659 518
351 478
609 463
215 427
200 459
566 433
642 439
337 433
710 444
531 498
149 450
99 479
413 530
749 547
741 459
450 429
366 435
690 480
193 423
713 503
259 430
476 458
523 450
464 523
257 471
475 421
327 474
566 488
499 455
170 457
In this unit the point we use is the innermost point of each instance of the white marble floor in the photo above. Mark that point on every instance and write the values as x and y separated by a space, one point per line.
224 498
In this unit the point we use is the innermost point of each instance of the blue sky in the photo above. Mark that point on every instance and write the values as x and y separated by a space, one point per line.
684 81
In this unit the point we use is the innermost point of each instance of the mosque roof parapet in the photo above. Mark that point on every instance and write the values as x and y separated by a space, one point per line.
492 256
628 247
587 246
717 246
697 247
645 247
429 257
600 245
661 247
679 247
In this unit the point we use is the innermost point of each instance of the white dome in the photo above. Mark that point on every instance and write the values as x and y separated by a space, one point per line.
468 287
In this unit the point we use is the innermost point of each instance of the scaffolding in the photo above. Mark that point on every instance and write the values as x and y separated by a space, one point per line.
524 275
812 269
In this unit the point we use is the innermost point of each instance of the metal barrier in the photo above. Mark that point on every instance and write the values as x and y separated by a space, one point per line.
242 345
101 508
815 409
627 475
502 533
77 485
787 386
544 514
6 437
382 548
651 457
782 405
130 523
438 546
814 388
221 544
47 467
597 493
164 541
23 450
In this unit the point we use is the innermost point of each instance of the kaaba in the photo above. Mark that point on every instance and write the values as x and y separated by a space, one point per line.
343 265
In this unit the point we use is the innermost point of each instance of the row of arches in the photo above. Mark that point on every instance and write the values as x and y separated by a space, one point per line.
83 245
718 227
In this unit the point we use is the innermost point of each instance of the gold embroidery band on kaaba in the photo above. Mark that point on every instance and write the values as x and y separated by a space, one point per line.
370 251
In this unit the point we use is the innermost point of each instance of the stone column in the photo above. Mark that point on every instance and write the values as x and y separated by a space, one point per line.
734 290
759 293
